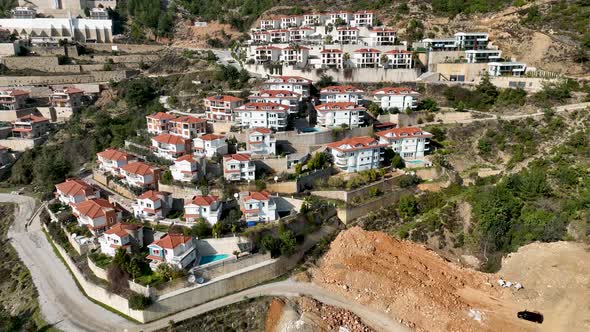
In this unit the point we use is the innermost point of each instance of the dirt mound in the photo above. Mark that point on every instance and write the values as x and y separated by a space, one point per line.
414 284
187 35
556 279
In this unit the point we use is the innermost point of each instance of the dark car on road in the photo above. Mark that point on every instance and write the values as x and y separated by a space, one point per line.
531 316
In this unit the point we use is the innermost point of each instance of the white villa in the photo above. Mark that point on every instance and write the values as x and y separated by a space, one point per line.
356 154
175 249
97 214
74 191
341 93
392 97
111 161
152 205
121 236
238 167
338 114
261 141
268 115
209 145
188 168
206 207
258 206
409 142
142 175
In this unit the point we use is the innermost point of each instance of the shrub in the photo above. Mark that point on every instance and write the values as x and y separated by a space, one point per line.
407 206
139 302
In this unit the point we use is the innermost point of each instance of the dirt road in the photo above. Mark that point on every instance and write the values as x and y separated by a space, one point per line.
62 303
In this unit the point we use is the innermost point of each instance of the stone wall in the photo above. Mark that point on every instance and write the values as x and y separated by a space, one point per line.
22 144
178 191
348 214
307 181
94 77
353 75
443 56
288 187
385 185
121 190
133 58
8 116
126 48
471 71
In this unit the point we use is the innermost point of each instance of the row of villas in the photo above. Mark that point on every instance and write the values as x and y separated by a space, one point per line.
15 99
335 58
356 19
345 35
363 153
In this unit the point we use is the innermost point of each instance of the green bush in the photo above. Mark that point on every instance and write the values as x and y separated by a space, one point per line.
139 302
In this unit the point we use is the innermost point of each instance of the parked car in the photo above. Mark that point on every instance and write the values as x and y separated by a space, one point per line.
532 316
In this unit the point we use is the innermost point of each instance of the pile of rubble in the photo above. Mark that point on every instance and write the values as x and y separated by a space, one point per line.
333 319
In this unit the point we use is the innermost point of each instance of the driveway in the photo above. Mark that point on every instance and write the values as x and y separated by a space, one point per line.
62 303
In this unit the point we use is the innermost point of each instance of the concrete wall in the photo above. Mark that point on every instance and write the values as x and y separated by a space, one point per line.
8 116
98 272
353 75
348 214
471 71
234 265
94 77
102 274
308 180
58 50
533 84
101 178
126 48
48 64
385 185
225 245
444 56
133 58
288 187
22 144
7 49
178 191
275 165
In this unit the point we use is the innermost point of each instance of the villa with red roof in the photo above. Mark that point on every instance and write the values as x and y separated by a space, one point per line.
279 36
261 141
209 145
206 207
152 205
295 84
111 161
74 191
382 36
268 115
257 206
332 58
366 58
396 97
128 237
363 18
408 142
221 107
347 35
68 97
175 249
267 53
238 167
284 97
341 93
157 123
356 154
13 99
294 55
30 127
188 168
187 127
398 59
170 146
97 214
337 114
142 175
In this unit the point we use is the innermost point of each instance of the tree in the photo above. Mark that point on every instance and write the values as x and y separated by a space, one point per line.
166 177
288 242
165 270
139 92
271 244
384 60
374 109
428 104
201 229
407 206
487 89
326 80
217 229
318 161
398 162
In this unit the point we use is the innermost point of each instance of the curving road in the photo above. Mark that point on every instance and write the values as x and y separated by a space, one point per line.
65 307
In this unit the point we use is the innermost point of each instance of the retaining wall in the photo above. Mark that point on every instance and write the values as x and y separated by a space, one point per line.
127 48
348 214
22 144
178 191
385 185
103 76
99 177
289 187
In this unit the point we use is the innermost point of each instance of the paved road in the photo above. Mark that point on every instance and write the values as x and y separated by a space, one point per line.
376 319
62 303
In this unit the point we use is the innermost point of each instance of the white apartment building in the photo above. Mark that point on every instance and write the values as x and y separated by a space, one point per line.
270 24
341 16
265 54
279 36
363 18
472 40
409 142
284 97
338 114
141 175
260 37
268 115
221 107
52 30
382 36
483 56
301 34
392 97
188 168
332 58
238 167
295 84
366 58
206 207
258 206
23 13
291 21
347 35
69 97
152 205
356 154
506 68
341 93
170 146
187 127
398 59
111 161
261 141
314 19
294 55
209 145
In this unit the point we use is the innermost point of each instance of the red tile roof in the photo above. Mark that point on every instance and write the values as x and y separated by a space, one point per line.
170 139
288 79
261 130
346 29
224 98
72 90
268 48
262 107
355 143
113 154
394 91
404 132
367 50
257 195
204 200
188 119
339 106
153 195
237 156
120 229
171 241
186 157
398 52
16 92
139 168
295 48
341 89
94 208
382 29
75 187
211 137
331 50
32 118
275 94
161 116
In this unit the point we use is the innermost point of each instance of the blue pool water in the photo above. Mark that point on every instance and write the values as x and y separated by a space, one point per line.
309 130
211 258
415 161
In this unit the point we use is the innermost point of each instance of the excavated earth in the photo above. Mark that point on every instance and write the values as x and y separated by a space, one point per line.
415 285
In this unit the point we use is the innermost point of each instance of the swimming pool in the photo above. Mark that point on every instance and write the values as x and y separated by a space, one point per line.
415 161
309 130
212 258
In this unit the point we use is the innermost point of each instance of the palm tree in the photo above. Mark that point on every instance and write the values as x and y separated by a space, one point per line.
384 60
345 59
